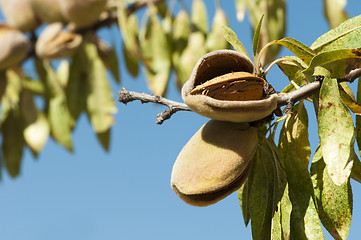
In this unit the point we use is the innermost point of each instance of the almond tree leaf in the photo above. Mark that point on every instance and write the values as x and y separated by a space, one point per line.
129 28
11 92
295 152
339 62
349 101
345 36
356 168
62 72
199 17
231 37
256 36
299 49
33 85
244 194
336 132
261 197
12 142
100 104
358 118
334 11
159 67
292 67
131 62
334 202
241 9
109 57
215 39
59 117
104 139
36 126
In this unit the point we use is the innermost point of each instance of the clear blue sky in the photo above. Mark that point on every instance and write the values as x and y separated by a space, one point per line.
125 194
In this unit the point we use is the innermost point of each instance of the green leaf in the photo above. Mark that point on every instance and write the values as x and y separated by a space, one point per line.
334 202
345 36
131 62
215 39
298 48
12 142
36 126
256 36
292 67
231 37
159 66
295 152
243 198
338 62
358 118
334 11
356 168
349 101
199 17
336 132
59 117
10 93
100 104
104 139
241 9
129 28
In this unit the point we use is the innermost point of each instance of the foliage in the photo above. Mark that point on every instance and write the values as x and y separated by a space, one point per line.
282 197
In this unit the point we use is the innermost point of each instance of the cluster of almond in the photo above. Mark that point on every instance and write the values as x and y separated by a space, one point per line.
54 42
216 160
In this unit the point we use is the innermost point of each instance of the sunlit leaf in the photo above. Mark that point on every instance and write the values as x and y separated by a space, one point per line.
199 16
298 48
295 152
338 62
345 36
231 37
358 118
336 132
100 103
215 39
241 9
10 93
159 66
62 72
292 67
36 126
349 101
334 11
356 168
256 36
334 202
129 28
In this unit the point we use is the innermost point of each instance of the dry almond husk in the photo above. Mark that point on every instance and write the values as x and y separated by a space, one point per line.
223 87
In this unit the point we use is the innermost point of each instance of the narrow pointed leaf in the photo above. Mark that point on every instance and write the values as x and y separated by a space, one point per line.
240 9
131 62
334 11
349 101
12 142
346 36
199 16
104 139
298 48
215 39
334 202
336 132
358 118
100 103
256 36
11 92
243 198
338 62
356 168
231 37
295 153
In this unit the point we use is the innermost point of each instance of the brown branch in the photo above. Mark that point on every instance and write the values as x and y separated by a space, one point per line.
288 99
126 96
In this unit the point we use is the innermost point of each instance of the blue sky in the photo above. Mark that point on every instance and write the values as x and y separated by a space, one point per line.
125 194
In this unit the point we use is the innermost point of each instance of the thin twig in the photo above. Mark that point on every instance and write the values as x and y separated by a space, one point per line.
126 96
288 99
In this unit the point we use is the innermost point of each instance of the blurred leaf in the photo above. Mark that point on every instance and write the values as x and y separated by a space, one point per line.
334 202
36 126
33 85
298 48
179 42
100 103
77 87
12 142
215 39
104 139
345 36
231 37
62 72
159 66
336 132
256 36
338 62
241 9
11 93
131 62
334 11
295 153
129 28
199 17
58 113
349 101
191 54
